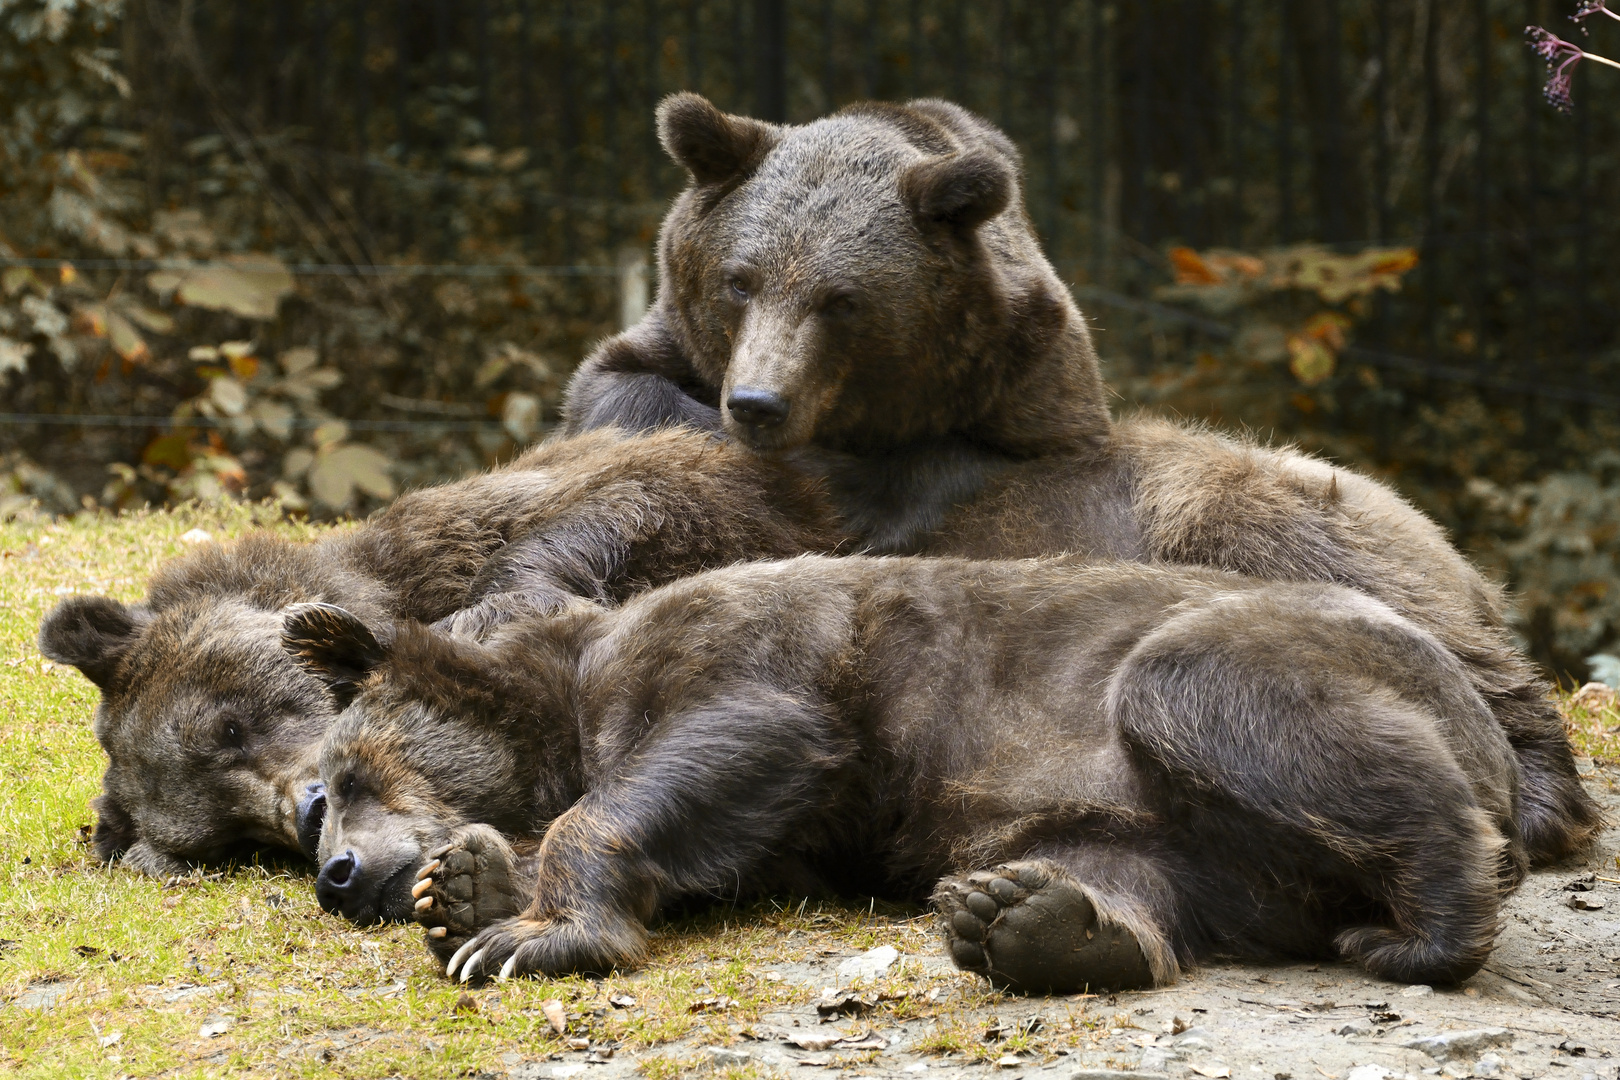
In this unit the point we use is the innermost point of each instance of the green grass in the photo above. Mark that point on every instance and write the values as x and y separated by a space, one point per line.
141 967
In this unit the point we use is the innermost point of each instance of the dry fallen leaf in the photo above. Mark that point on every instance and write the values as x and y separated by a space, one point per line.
553 1010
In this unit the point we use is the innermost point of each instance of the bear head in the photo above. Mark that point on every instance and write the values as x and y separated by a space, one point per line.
210 729
428 741
868 280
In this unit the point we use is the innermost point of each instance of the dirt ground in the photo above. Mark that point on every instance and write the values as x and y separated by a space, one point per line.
1547 1004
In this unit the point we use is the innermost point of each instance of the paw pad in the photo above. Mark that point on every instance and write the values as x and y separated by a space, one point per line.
1032 928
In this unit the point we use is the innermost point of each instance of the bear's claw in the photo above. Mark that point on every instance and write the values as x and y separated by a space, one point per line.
1028 926
466 886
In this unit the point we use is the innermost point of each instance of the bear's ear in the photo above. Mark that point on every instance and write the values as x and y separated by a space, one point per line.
115 829
960 190
93 633
711 145
333 645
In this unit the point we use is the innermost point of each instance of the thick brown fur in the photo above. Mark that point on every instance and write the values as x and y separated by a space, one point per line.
211 731
1207 764
864 295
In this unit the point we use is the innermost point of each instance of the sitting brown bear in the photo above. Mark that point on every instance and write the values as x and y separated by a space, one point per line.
1101 771
865 296
211 732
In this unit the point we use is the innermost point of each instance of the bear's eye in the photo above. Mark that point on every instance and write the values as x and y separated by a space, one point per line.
230 733
345 786
840 305
739 290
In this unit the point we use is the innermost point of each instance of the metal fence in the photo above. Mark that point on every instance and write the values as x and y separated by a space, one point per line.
1241 123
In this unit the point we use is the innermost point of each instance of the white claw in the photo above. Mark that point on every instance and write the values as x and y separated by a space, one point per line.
508 967
438 931
428 870
471 965
421 886
461 954
424 903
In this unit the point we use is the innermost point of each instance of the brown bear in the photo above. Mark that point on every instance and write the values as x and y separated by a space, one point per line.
1101 771
210 730
864 295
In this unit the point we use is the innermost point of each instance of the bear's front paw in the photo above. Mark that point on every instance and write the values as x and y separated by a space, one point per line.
1029 926
555 944
467 885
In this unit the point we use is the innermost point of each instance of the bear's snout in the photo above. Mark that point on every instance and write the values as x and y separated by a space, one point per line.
758 408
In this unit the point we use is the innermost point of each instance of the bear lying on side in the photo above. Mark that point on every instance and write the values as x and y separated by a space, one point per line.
211 732
1101 771
865 295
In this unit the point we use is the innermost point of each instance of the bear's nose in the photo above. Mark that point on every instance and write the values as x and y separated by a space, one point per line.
308 816
339 882
756 407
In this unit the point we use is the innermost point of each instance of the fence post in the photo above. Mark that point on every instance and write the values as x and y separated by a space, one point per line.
633 286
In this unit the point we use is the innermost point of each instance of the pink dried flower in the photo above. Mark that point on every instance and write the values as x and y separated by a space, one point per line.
1562 56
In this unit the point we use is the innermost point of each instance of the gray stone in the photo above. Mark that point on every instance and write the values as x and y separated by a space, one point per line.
40 996
1115 1074
870 964
727 1055
1450 1045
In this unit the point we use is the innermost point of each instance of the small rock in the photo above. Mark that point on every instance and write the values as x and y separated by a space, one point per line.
196 536
1194 1038
1584 883
1585 902
1418 990
1367 1072
726 1055
215 1027
1488 1065
814 1040
40 996
870 964
621 1001
1354 1027
1461 1044
579 1044
1158 1058
1008 1061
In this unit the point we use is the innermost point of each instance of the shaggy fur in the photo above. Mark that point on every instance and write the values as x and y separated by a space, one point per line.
864 296
211 731
1212 765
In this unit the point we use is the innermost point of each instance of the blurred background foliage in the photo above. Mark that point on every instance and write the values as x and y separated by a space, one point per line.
320 250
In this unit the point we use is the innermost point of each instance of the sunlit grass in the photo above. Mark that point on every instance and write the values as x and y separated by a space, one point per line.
1592 721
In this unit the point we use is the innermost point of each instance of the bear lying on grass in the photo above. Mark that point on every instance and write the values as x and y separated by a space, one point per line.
1102 772
865 295
211 732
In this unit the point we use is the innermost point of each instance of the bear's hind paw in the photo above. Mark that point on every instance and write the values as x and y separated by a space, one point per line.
1029 927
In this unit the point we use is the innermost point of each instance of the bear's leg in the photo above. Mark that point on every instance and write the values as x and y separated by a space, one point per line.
1324 753
1037 927
1556 814
467 885
705 799
638 381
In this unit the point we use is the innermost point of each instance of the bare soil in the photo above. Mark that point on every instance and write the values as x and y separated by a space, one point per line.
1547 1004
